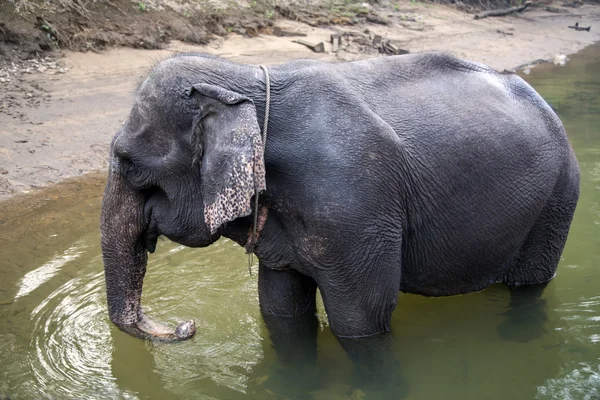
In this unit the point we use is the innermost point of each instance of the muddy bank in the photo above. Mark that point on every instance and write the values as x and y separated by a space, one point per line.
30 27
57 121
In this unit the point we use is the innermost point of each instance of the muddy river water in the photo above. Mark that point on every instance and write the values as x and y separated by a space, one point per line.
56 340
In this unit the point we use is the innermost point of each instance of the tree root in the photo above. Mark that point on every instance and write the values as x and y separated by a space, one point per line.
502 12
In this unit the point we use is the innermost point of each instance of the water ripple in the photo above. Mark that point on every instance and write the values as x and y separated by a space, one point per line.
36 278
582 318
582 383
71 342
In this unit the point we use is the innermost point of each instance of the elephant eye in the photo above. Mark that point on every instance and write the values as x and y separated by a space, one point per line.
125 165
136 176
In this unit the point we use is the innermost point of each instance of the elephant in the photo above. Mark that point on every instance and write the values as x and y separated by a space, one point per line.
419 173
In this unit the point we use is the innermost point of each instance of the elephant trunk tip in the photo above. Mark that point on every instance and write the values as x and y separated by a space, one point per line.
185 330
148 329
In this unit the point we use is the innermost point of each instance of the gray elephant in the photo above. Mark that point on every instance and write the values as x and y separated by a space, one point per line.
418 173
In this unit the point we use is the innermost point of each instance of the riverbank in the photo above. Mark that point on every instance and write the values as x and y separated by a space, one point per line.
57 116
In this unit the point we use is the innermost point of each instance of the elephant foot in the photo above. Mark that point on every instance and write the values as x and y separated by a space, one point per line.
377 372
524 322
384 392
292 382
381 385
523 329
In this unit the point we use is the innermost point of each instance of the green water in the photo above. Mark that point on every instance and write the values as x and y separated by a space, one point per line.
56 340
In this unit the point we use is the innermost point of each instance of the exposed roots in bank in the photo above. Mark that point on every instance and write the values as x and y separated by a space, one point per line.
68 24
29 28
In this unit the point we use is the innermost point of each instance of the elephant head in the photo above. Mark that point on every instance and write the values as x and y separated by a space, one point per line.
187 161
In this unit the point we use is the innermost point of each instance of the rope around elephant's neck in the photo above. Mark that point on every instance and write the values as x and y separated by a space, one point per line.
252 244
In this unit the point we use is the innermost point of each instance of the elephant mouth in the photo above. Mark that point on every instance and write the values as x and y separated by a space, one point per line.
177 222
150 238
152 196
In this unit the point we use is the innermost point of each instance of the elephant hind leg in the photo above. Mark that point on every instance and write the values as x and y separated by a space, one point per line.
526 315
540 253
536 265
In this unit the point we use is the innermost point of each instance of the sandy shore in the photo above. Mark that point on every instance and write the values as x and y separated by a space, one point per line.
60 125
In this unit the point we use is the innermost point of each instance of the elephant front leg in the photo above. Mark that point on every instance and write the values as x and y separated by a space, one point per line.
359 306
377 371
288 306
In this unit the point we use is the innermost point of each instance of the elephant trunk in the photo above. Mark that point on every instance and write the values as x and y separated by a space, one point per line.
122 226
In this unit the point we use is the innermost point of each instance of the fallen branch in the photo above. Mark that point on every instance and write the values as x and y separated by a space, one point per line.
530 64
580 28
500 31
387 48
317 48
76 6
110 3
555 10
502 12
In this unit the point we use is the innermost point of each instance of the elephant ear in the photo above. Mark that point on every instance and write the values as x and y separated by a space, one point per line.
233 167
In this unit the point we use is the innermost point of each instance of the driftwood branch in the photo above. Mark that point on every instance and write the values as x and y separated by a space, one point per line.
110 3
580 28
501 12
317 48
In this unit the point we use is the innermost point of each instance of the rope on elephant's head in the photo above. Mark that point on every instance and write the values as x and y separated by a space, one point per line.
252 244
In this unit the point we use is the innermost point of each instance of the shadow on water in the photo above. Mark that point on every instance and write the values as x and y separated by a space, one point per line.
56 340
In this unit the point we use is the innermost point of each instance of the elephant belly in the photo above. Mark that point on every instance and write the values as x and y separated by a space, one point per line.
453 280
469 234
434 268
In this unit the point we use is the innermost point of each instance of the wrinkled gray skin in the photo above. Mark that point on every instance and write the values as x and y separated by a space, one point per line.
420 173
